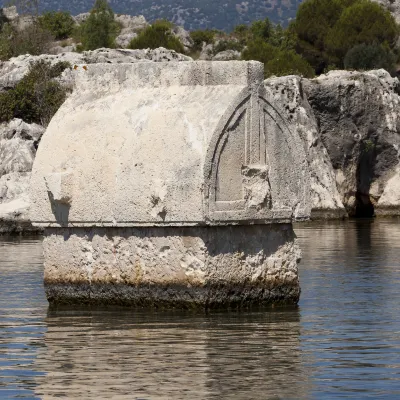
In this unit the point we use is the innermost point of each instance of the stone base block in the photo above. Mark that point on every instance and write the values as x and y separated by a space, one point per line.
185 267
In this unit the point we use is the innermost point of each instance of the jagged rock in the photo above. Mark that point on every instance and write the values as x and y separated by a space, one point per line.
124 38
134 23
131 25
81 17
20 22
184 36
18 144
288 92
10 13
12 71
206 52
227 55
359 125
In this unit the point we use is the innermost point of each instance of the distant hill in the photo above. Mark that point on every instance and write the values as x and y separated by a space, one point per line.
192 14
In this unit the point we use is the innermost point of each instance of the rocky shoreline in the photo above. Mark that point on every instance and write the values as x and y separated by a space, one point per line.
348 121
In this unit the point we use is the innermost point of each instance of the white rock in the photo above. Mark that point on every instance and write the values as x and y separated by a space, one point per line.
227 55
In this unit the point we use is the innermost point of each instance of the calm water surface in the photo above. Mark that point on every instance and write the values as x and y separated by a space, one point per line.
343 341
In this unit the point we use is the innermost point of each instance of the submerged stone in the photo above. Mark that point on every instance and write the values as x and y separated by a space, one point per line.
170 184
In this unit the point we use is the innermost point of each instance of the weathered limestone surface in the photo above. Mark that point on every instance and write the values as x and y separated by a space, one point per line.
18 143
165 130
359 126
19 140
12 71
289 93
178 267
152 195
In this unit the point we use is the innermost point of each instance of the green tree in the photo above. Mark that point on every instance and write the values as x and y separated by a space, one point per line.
362 22
202 36
37 97
59 23
369 56
262 29
277 61
100 29
288 62
32 40
157 35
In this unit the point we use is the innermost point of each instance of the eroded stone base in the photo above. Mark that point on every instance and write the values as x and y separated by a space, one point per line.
207 267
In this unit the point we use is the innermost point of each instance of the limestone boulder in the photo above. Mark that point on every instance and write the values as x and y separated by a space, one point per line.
130 26
12 71
206 52
359 126
18 144
81 18
227 55
135 23
289 94
11 13
184 37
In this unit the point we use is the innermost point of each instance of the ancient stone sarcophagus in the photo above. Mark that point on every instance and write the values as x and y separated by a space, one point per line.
170 184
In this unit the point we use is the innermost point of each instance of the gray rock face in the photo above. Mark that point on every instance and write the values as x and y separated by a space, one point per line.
227 55
81 17
208 267
12 71
359 126
288 93
183 36
206 52
18 143
131 25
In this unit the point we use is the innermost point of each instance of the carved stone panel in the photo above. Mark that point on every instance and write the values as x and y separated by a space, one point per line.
252 174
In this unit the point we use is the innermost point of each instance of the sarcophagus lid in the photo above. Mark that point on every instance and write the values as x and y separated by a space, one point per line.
177 143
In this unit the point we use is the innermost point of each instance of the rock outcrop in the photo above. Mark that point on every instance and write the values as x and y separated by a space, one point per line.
131 25
288 92
227 55
359 126
12 71
18 144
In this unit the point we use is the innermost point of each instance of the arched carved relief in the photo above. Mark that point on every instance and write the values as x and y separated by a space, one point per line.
251 159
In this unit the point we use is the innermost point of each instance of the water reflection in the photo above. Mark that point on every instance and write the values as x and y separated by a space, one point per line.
343 341
171 355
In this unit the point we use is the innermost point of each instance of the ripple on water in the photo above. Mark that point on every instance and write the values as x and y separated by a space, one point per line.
342 341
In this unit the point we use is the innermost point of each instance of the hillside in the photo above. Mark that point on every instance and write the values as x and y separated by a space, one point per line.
192 14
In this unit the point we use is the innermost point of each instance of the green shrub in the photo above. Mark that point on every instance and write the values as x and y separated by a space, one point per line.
259 50
287 62
224 45
3 19
32 40
157 35
363 22
100 29
277 61
202 36
59 23
327 29
37 97
262 29
365 57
